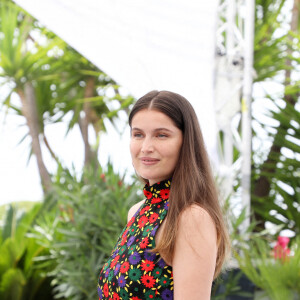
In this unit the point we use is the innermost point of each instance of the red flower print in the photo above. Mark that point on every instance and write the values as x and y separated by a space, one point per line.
153 217
147 194
143 221
155 200
164 194
124 267
147 265
105 290
125 233
131 222
144 243
148 281
144 210
123 241
136 298
116 296
114 261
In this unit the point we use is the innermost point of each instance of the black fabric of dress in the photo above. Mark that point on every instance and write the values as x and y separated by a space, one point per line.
133 271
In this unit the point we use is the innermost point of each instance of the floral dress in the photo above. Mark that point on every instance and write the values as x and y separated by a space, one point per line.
132 271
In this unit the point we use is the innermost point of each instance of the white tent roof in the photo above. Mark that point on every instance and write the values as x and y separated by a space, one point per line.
143 45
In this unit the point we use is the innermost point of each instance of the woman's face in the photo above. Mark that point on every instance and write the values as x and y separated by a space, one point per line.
155 145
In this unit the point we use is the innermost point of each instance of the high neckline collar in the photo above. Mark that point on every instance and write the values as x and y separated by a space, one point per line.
157 192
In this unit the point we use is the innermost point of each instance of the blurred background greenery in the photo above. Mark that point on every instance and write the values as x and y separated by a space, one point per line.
55 249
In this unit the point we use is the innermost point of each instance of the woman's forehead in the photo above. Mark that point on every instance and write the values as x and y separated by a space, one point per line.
151 116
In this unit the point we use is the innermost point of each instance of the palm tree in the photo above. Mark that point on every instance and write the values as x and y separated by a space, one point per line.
21 64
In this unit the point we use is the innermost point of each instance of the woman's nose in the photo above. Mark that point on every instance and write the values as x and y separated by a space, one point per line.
147 145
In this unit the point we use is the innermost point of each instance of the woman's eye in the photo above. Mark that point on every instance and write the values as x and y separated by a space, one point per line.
137 135
161 135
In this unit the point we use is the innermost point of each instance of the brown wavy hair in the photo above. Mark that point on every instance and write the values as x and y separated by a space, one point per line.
192 180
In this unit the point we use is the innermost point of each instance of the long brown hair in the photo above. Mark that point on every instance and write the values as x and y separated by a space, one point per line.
192 180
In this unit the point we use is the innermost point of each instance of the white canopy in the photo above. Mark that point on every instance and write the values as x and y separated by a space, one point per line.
143 45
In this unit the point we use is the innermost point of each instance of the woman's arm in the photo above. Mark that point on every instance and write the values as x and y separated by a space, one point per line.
194 255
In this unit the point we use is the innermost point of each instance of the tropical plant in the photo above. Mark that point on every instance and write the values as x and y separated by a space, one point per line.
87 217
229 285
21 277
85 88
283 200
21 67
232 282
275 176
278 278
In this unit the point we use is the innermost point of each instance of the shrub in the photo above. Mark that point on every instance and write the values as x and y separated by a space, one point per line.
278 277
87 217
21 276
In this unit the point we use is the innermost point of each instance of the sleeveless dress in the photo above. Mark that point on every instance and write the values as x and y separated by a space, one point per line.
133 272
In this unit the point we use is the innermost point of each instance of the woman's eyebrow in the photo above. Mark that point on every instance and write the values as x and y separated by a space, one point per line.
162 128
155 130
136 128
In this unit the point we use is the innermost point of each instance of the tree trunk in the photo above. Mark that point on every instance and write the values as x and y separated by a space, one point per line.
262 186
29 111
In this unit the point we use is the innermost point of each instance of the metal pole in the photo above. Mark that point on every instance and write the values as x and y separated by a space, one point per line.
230 44
246 109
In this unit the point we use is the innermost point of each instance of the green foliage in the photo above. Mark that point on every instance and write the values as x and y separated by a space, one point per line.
87 217
283 200
230 281
19 205
19 62
80 77
228 285
275 179
21 277
279 279
270 48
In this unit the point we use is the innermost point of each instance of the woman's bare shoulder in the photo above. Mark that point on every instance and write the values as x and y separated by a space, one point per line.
195 213
134 209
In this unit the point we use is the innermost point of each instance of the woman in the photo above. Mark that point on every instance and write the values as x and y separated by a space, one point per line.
175 241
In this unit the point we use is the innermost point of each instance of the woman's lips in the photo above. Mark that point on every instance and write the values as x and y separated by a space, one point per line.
149 161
